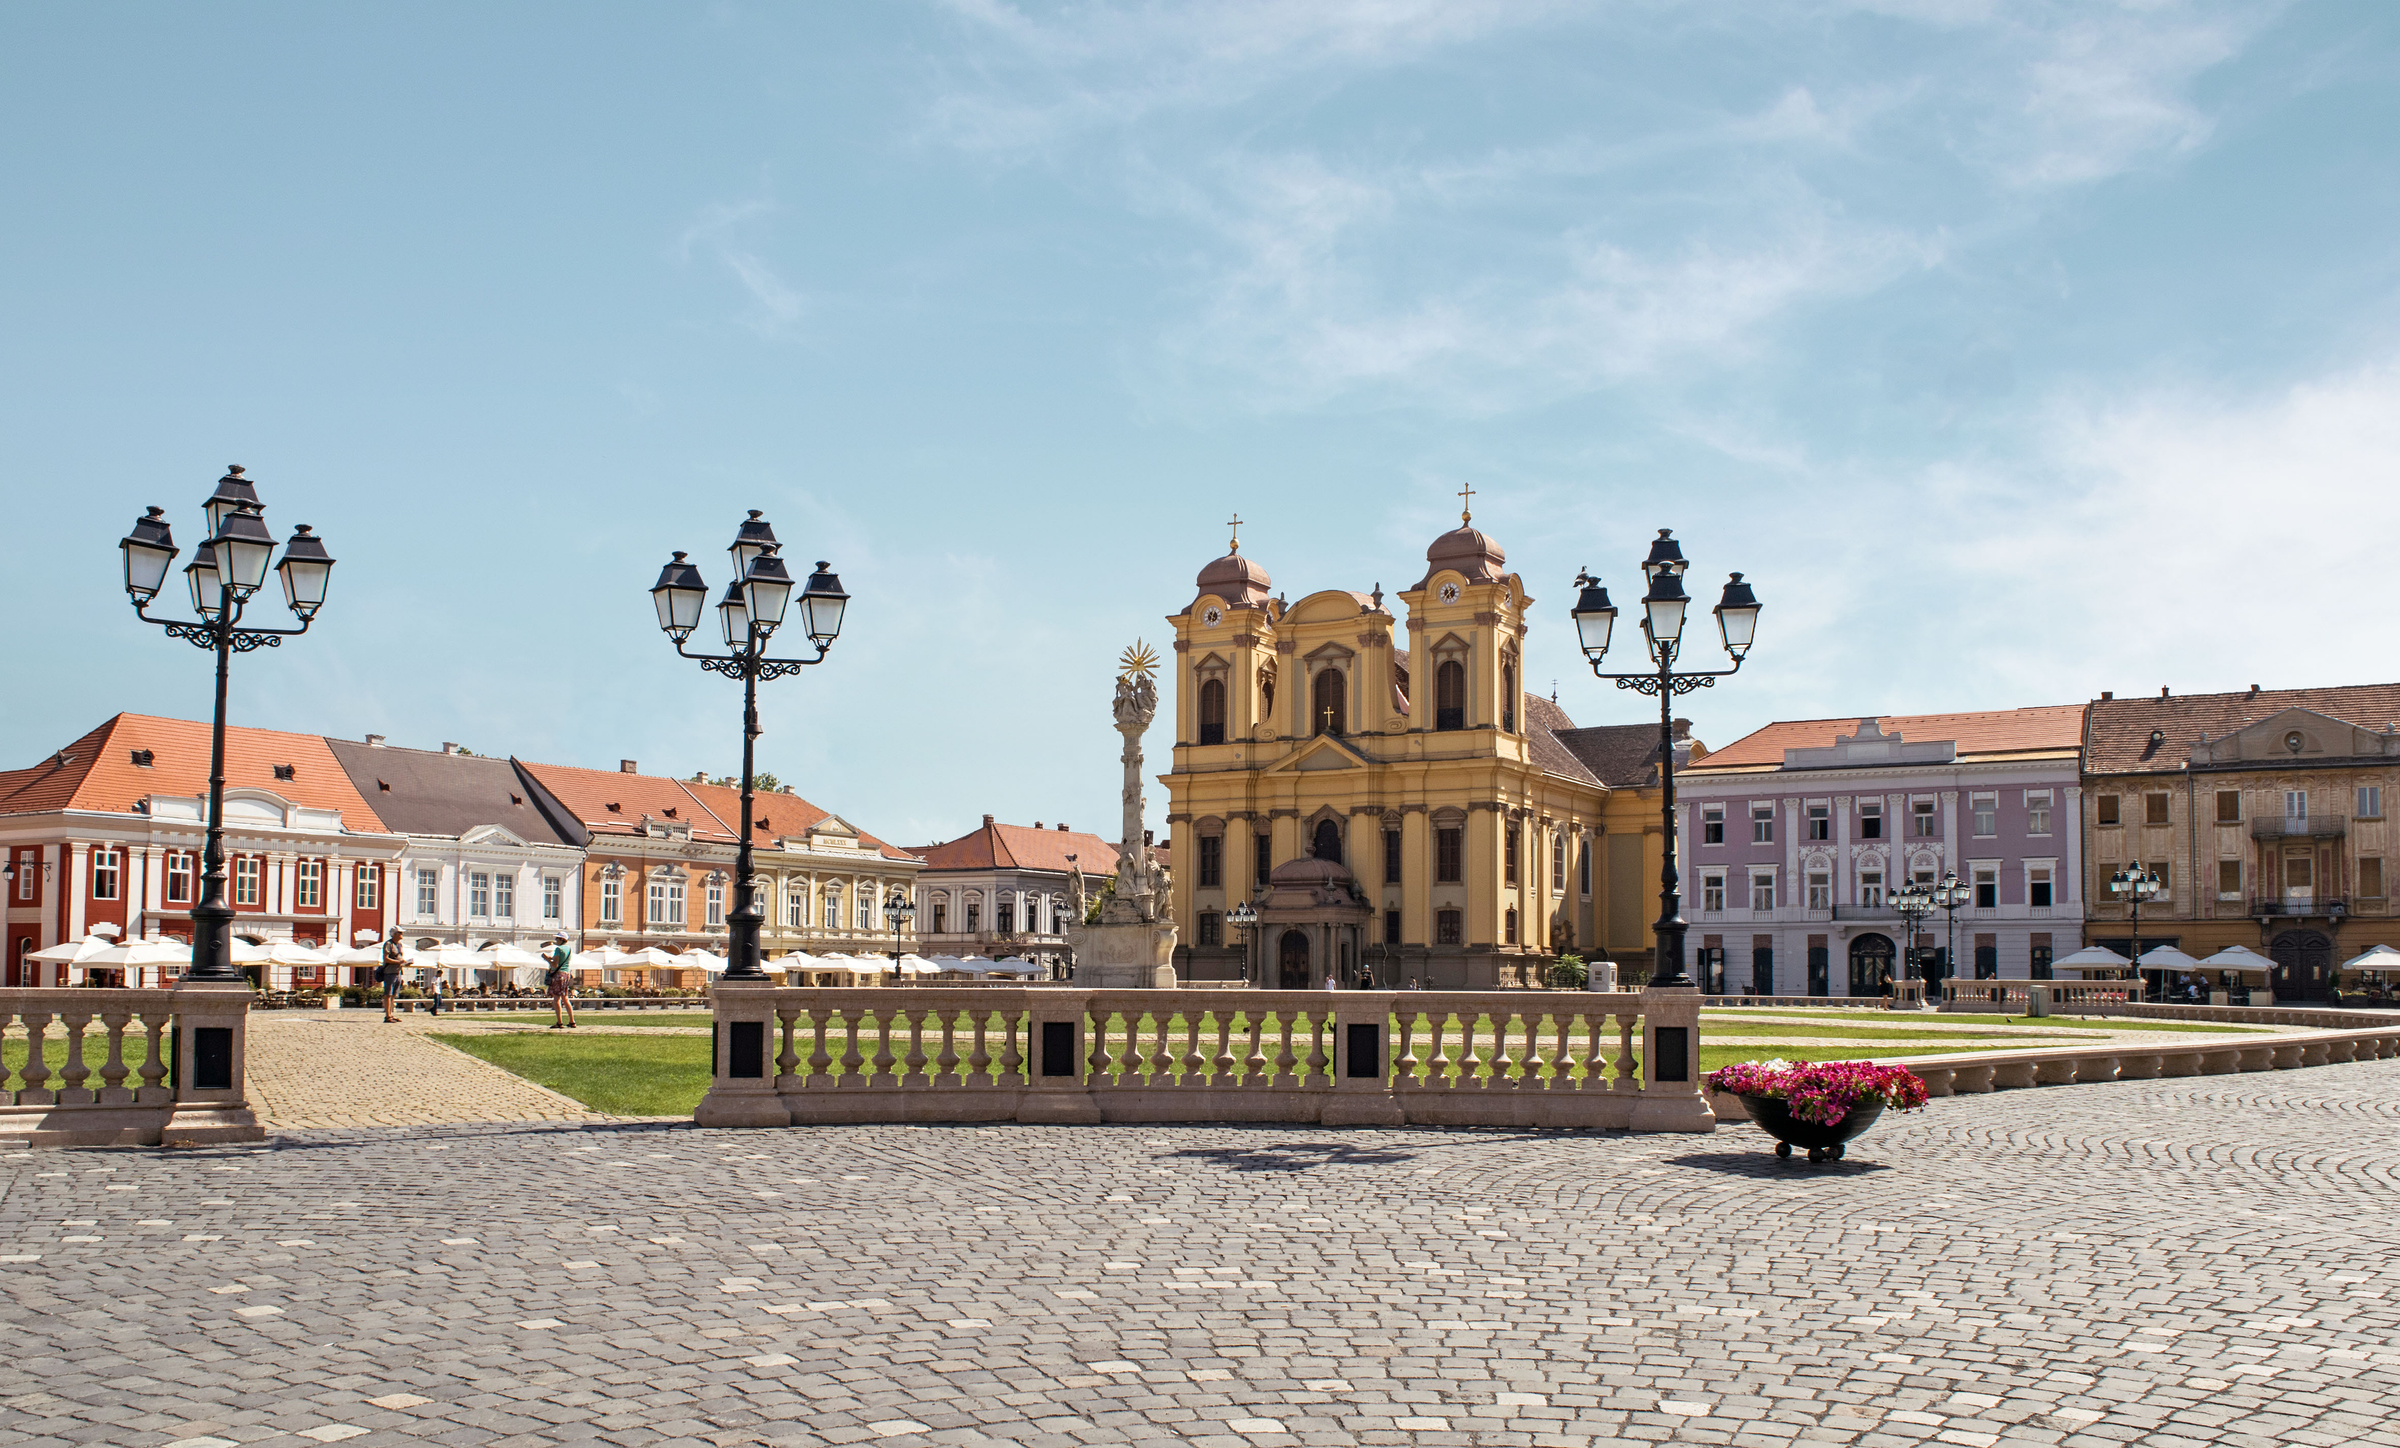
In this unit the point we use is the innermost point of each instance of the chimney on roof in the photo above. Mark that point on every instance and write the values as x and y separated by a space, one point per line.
987 822
2254 690
448 747
2108 693
2162 691
1683 728
374 741
1146 836
1037 824
625 766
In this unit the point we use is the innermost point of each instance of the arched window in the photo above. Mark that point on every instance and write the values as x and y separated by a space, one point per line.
1450 695
1212 712
1326 714
1328 842
1508 695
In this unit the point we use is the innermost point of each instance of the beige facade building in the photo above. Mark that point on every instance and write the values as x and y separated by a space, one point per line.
2264 812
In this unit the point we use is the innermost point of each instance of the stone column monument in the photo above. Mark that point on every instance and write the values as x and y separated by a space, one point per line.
1133 946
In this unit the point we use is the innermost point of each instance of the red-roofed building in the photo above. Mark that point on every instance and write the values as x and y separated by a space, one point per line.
108 830
1003 890
1794 835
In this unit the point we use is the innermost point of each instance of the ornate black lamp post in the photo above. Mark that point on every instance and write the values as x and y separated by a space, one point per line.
898 911
1914 902
1244 918
225 574
1663 609
1947 897
2133 885
751 611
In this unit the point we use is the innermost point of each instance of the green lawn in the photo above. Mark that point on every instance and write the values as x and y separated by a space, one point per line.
619 1075
54 1056
686 1020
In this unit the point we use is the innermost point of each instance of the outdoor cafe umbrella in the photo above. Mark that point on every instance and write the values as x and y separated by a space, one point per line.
72 952
2167 957
2242 960
2091 958
141 960
2381 957
1014 965
518 965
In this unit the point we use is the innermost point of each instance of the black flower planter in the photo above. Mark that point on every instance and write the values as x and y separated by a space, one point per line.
1824 1143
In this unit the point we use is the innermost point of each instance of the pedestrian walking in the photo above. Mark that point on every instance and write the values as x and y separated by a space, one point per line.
1366 977
435 995
388 973
559 982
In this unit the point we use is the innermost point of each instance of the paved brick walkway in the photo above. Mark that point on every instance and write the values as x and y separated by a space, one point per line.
2194 1261
346 1068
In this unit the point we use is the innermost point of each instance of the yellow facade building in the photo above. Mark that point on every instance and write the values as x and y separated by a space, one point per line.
1385 793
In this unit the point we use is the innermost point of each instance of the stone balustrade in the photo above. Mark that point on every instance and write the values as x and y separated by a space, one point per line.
2035 997
126 1067
804 1055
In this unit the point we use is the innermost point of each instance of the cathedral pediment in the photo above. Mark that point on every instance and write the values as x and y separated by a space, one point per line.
1323 752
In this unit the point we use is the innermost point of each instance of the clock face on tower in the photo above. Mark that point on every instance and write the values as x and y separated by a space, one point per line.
1211 616
1449 593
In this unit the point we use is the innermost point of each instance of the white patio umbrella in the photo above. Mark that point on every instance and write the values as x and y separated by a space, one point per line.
2091 958
369 954
702 960
2380 957
2167 957
143 961
516 964
68 952
2245 961
1015 965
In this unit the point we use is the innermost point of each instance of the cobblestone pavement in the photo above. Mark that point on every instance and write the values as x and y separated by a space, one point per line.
2175 1262
346 1068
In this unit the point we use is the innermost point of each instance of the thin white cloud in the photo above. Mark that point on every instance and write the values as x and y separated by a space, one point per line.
775 305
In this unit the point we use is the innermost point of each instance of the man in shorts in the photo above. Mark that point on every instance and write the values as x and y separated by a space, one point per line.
560 982
388 974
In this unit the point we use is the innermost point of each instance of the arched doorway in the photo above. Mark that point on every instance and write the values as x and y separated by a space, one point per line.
1871 965
2303 964
1326 714
1327 842
1292 961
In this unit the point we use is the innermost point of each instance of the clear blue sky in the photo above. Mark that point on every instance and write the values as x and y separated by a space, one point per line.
2017 351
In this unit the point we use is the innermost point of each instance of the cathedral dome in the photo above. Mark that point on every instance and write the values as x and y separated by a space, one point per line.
1235 579
1468 551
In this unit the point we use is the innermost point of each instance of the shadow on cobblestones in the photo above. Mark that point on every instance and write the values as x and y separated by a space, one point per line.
1294 1155
1762 1164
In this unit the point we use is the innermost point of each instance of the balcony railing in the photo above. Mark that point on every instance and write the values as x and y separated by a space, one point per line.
2324 905
2327 824
1865 912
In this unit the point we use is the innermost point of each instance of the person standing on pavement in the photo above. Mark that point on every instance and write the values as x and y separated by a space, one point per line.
560 983
388 973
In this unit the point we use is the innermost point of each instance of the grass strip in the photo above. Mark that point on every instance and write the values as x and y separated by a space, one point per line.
618 1075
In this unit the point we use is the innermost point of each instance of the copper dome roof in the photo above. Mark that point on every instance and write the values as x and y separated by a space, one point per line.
1235 579
1468 551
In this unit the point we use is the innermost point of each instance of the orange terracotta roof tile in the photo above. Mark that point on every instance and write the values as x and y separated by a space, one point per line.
2117 739
1996 731
999 846
100 773
610 802
777 814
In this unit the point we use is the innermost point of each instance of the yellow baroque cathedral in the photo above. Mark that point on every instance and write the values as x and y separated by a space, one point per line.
1396 809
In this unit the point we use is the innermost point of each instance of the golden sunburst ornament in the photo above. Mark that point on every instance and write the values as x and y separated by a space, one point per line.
1140 659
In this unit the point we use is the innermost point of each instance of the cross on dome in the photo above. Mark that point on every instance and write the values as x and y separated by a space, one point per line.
1236 526
1466 502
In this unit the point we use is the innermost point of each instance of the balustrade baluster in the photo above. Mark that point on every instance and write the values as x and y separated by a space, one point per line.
1439 1073
854 1060
1628 1073
1099 1063
1284 1059
1562 1057
1404 1067
1019 1024
1194 1063
916 1045
1224 1076
1496 1068
1161 1053
1254 1066
71 1089
884 1059
35 1072
820 1064
946 1065
113 1071
787 1060
979 1059
154 1058
1320 1066
1595 1064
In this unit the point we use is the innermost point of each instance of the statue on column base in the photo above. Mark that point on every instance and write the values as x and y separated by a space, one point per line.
1133 946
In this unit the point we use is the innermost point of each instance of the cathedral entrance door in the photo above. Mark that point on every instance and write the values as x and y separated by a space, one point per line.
1870 965
1292 964
2303 963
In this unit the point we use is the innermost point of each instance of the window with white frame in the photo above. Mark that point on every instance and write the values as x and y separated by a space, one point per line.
1987 815
866 908
1870 887
1762 824
675 903
308 886
2037 812
2295 804
504 896
429 893
2370 801
1712 824
795 909
27 874
1820 890
179 877
1870 819
1820 822
1762 892
108 872
833 907
479 895
1712 894
1922 811
716 903
1558 863
2040 886
658 904
612 900
1987 887
368 891
553 896
245 880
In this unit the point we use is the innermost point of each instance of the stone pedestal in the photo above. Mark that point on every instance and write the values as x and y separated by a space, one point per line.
1136 955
